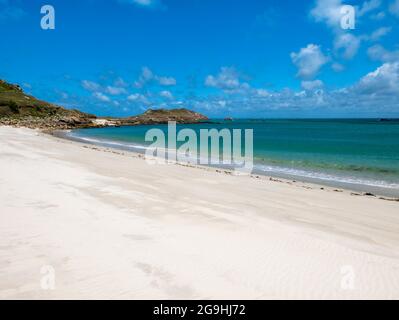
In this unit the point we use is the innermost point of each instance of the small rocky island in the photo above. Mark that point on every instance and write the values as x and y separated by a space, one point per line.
22 110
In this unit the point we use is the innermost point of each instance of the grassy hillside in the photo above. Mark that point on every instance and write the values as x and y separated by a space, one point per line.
15 103
164 115
19 108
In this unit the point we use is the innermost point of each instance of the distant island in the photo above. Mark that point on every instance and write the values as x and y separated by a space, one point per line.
22 110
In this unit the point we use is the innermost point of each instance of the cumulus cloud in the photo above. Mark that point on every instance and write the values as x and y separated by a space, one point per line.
347 44
312 85
262 92
309 60
253 103
378 16
327 11
101 97
368 6
138 97
377 52
379 33
119 82
90 85
375 93
100 92
337 67
166 94
227 79
167 81
230 81
115 90
384 80
147 77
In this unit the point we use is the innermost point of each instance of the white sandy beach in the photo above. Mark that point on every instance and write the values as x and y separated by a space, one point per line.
113 226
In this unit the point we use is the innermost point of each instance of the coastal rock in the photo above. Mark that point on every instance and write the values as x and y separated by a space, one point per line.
161 116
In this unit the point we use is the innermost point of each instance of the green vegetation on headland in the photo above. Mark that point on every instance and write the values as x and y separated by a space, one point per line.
160 116
22 110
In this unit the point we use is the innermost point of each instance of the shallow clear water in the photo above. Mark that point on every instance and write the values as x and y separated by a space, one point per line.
362 153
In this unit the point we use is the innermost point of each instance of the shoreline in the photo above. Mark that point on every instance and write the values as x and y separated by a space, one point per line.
338 186
113 226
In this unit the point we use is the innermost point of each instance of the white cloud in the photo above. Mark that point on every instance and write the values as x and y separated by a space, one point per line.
368 6
227 79
347 44
137 97
337 67
167 81
166 94
309 60
327 11
90 85
394 8
262 92
222 103
119 82
379 33
312 85
378 16
101 91
375 94
378 52
147 76
134 97
384 80
115 90
102 97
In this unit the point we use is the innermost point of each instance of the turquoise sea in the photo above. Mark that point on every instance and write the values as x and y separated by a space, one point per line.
361 154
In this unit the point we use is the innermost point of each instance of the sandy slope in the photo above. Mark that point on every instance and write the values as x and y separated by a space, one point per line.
113 226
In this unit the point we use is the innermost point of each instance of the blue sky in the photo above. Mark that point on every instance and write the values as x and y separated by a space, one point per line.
241 58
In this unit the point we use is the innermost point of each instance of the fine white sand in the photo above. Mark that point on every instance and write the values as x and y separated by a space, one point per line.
112 226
